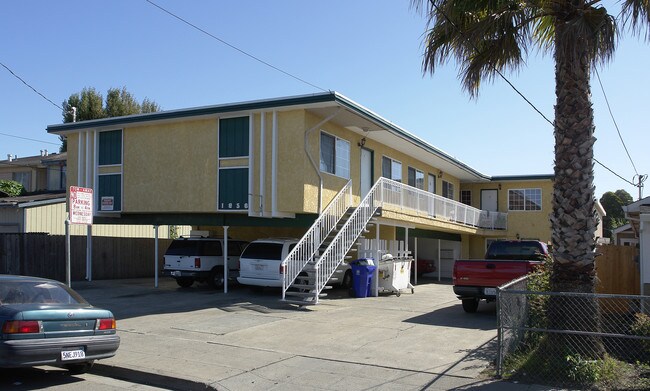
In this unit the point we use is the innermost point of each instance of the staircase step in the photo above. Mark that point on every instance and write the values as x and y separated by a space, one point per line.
300 302
303 294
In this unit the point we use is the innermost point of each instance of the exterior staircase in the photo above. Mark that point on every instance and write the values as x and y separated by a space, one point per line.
306 287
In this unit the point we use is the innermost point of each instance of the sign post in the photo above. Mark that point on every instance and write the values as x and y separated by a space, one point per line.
81 212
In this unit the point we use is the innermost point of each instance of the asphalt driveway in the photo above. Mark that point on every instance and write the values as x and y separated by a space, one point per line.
197 338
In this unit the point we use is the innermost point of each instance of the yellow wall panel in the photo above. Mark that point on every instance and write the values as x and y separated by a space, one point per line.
171 167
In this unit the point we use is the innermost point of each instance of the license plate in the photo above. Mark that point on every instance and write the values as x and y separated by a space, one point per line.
260 267
72 354
176 273
490 291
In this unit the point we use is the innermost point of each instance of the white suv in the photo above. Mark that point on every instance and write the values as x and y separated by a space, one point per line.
199 258
261 261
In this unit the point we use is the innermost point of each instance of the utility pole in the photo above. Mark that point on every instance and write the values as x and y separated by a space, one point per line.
642 179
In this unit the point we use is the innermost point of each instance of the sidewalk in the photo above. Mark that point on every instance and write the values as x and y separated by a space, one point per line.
198 338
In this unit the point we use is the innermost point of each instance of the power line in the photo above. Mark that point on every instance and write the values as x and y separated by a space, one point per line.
27 138
614 120
233 46
33 89
517 90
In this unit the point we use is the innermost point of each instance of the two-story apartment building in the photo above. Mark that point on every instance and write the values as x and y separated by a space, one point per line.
276 167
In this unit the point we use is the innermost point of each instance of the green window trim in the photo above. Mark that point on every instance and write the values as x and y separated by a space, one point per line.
233 189
233 137
109 192
110 148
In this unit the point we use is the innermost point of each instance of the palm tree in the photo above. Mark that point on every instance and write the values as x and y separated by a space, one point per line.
486 37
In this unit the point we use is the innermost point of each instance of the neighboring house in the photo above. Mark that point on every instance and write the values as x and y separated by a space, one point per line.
638 213
625 236
44 172
272 167
46 213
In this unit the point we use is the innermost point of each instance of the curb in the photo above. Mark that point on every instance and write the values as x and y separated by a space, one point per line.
148 378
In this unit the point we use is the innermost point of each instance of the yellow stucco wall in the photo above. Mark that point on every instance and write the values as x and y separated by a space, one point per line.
188 149
525 224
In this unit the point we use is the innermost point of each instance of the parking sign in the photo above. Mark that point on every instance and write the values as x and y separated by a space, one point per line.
81 205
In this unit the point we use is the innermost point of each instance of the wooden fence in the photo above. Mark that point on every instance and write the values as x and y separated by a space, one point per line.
618 270
43 255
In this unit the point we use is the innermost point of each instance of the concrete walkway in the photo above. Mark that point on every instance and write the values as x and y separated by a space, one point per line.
197 338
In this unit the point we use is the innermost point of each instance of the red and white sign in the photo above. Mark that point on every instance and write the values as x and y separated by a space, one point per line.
81 205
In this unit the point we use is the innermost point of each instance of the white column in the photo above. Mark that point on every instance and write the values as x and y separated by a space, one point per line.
89 252
415 257
225 259
375 276
155 256
262 162
439 252
251 164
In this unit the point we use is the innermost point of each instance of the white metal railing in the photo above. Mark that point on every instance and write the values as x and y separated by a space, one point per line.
348 234
432 205
309 244
385 192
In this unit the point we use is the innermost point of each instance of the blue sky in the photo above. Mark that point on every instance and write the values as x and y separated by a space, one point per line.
368 50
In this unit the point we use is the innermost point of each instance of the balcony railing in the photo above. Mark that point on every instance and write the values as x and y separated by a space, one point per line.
431 205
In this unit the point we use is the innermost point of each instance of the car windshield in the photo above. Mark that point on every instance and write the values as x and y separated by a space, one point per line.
37 292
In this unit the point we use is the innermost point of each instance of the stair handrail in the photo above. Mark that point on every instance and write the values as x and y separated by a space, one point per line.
347 235
311 241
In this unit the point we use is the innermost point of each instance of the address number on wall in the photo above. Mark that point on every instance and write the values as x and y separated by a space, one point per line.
233 205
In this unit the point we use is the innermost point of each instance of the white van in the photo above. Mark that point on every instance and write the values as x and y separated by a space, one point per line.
261 260
200 259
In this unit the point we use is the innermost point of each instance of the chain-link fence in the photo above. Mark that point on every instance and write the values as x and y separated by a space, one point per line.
571 339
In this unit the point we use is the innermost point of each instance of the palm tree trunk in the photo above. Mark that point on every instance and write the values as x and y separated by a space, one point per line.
573 220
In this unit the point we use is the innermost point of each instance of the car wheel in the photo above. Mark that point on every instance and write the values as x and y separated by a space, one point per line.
347 279
79 368
216 278
470 305
184 282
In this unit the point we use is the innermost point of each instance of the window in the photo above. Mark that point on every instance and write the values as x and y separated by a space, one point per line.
233 188
334 155
110 147
233 137
391 169
448 190
525 199
415 178
109 193
466 197
24 178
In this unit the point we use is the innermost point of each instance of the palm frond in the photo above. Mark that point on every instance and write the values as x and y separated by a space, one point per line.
636 15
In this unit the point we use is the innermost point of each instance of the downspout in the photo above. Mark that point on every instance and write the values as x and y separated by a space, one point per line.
311 158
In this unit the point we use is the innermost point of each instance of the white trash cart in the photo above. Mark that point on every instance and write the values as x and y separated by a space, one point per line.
394 275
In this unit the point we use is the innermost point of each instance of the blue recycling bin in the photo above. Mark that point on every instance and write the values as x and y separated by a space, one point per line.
362 270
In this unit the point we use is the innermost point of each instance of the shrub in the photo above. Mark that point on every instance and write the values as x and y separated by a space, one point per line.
11 188
641 327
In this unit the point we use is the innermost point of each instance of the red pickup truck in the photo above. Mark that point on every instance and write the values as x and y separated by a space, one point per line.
505 260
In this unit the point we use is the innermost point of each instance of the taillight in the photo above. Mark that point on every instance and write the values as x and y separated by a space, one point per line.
106 324
21 327
281 268
197 263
